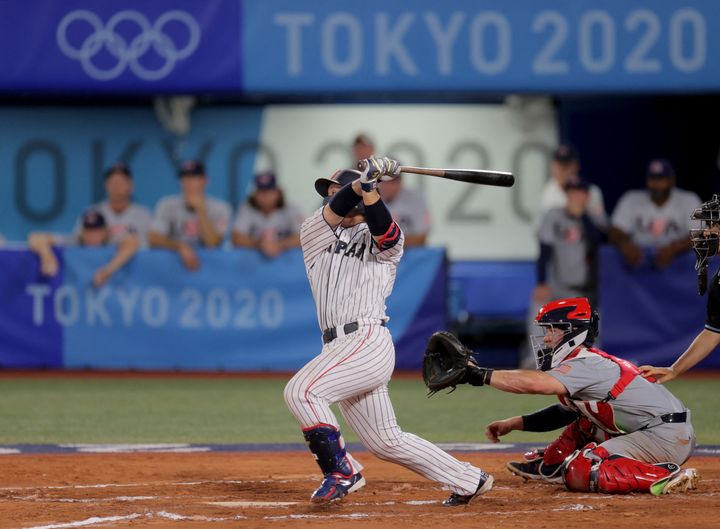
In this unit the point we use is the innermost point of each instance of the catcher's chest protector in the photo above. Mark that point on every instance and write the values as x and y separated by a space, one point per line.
601 412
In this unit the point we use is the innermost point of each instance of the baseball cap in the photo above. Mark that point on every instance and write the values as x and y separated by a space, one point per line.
660 168
341 177
265 180
118 167
565 153
93 219
192 167
579 183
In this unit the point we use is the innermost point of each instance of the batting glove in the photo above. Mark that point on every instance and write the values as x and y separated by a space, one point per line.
392 169
371 169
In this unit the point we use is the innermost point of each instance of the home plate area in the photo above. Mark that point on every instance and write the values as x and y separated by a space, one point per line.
201 489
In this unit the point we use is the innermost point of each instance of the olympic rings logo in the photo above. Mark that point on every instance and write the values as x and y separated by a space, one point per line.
128 53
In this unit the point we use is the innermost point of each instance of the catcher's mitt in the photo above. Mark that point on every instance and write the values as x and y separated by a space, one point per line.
445 362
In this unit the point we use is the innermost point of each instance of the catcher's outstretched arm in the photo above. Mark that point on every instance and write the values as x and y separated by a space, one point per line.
524 381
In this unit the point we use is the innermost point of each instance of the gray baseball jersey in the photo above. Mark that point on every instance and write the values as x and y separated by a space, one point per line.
553 196
651 225
284 222
632 418
410 211
135 219
350 279
175 220
570 265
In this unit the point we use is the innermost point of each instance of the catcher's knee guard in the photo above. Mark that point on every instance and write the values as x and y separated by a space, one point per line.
328 447
575 435
593 469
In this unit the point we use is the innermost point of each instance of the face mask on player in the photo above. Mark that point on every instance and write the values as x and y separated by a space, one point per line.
705 237
554 342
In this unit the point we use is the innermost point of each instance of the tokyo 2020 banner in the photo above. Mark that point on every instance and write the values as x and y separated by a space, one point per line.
307 47
239 312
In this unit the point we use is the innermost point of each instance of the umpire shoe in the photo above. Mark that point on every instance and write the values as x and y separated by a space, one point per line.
486 483
683 480
336 486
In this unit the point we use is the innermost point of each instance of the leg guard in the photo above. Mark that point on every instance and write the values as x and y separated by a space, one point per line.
575 436
593 469
545 465
328 447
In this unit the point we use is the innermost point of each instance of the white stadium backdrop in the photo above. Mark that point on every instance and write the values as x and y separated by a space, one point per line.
471 221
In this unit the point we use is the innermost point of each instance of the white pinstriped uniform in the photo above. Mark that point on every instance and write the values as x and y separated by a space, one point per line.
350 280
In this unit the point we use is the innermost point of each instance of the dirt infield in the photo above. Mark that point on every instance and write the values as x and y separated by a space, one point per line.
233 490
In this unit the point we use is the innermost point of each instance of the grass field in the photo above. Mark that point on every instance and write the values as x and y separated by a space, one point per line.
251 410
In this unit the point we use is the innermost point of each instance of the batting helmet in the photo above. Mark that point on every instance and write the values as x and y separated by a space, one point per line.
578 323
341 177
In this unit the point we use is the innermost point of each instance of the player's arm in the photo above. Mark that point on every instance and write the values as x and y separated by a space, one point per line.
703 344
41 244
545 420
210 236
525 381
341 203
384 230
243 240
127 248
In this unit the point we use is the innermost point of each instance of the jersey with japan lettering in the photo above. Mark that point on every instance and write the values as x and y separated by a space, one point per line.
349 276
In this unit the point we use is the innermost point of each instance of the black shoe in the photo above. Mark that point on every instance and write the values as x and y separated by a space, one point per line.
486 483
536 471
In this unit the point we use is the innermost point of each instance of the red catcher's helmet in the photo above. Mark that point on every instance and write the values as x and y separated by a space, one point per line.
577 320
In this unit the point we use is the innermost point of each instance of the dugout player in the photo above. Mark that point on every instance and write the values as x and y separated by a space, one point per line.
351 248
654 218
705 241
94 232
266 221
183 222
622 433
121 215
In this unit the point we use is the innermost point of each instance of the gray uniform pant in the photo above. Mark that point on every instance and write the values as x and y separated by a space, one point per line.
665 443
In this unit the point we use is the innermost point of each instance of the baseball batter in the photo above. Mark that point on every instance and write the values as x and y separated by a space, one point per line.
706 243
623 433
351 253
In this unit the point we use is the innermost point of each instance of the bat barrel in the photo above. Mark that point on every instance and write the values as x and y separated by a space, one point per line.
491 178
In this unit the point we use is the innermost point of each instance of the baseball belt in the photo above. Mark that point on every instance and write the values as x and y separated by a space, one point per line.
330 334
667 418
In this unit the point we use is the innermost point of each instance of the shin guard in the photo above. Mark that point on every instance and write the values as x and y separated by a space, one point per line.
593 469
328 447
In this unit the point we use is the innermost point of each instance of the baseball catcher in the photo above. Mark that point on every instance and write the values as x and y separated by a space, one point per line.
622 433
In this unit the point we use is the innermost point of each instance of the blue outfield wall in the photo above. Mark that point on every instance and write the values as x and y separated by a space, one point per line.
239 312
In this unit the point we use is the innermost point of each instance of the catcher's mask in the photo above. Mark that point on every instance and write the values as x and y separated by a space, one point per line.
342 177
706 237
565 324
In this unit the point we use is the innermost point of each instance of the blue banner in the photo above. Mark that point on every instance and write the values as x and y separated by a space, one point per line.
239 312
133 46
314 46
650 316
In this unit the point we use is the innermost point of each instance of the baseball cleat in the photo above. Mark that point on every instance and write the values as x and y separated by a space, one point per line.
536 471
336 486
486 483
681 481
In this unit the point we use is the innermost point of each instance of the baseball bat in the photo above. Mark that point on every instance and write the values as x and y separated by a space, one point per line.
473 176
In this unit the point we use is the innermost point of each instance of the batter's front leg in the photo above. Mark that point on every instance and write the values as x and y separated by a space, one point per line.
372 417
